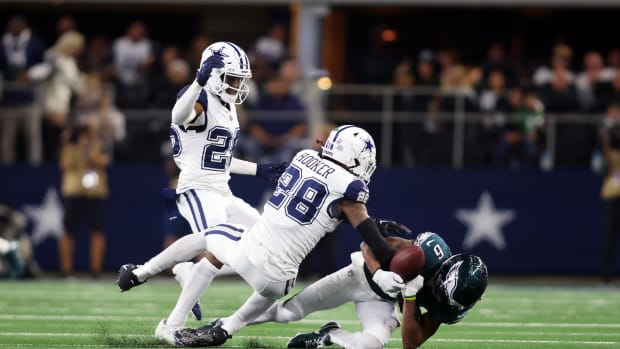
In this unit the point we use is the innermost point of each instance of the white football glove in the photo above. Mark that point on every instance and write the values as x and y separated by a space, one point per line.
390 282
412 287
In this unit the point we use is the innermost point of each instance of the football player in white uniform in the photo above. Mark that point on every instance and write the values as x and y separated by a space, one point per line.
203 133
317 192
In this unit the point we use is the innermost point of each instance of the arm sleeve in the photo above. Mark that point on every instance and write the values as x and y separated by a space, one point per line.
242 167
379 247
357 191
183 110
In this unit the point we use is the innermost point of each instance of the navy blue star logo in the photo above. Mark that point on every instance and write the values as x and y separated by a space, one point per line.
368 145
219 52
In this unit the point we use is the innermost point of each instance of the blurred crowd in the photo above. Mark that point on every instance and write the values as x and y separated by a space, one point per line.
48 90
100 80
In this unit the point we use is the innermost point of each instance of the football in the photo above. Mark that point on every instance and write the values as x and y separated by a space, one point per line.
408 262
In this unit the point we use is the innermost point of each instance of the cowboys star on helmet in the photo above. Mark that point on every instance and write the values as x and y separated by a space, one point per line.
353 148
230 82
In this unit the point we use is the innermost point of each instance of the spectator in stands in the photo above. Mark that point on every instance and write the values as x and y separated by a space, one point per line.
496 60
593 75
273 45
177 74
457 82
65 23
607 95
85 190
494 97
280 129
98 57
522 139
613 58
494 102
610 139
97 101
404 102
560 64
20 50
134 55
560 95
194 54
290 72
60 79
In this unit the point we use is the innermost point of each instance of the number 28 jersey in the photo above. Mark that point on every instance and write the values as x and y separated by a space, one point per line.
303 207
203 149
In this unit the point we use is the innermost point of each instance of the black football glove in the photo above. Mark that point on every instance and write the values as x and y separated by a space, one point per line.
389 227
202 75
271 171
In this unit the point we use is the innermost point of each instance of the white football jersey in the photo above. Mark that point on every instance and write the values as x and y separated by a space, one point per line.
303 208
203 149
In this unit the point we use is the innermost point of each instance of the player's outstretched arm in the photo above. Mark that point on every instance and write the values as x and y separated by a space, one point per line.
271 171
358 216
416 328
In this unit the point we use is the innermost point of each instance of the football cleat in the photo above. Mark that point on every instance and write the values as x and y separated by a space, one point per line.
167 333
211 337
126 279
197 311
316 339
213 324
181 273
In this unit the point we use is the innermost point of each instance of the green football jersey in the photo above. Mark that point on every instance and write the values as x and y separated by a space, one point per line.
435 252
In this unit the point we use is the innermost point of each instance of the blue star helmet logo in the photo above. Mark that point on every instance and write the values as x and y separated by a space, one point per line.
368 145
219 52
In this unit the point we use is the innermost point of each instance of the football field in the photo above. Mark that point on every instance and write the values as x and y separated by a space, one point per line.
94 314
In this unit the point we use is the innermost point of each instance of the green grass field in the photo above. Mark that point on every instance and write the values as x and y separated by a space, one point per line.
87 314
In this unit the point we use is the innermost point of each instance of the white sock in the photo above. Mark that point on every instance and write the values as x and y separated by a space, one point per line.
5 246
181 250
250 310
199 279
358 340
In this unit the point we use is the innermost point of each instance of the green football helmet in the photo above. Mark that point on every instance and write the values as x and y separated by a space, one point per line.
460 281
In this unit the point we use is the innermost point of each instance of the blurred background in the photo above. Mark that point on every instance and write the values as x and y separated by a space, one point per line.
497 122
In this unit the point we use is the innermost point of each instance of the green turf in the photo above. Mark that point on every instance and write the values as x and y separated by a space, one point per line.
86 314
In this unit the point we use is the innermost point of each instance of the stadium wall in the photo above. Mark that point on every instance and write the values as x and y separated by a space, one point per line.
520 222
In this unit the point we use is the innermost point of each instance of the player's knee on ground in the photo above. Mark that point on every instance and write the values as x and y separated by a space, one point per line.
288 311
368 341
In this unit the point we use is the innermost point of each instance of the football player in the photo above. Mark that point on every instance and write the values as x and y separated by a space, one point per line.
203 133
448 286
449 292
317 192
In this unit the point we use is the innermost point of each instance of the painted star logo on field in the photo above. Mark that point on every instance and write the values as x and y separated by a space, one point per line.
485 222
46 218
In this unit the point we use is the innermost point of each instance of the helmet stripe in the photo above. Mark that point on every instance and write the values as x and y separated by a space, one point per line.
237 50
331 146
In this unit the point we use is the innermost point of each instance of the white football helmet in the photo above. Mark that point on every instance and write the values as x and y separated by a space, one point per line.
230 82
353 148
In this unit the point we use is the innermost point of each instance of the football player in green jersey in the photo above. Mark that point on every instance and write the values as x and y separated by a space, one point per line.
453 285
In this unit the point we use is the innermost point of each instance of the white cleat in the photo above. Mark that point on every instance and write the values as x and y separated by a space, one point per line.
165 333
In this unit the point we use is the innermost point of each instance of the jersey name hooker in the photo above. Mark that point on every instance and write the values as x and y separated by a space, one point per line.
302 208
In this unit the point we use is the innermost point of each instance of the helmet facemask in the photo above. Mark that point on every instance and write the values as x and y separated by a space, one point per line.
230 87
231 82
